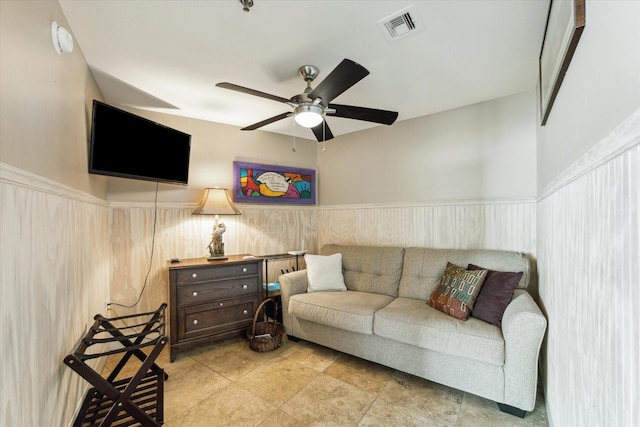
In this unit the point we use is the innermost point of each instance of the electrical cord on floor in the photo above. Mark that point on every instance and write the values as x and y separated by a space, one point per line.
153 246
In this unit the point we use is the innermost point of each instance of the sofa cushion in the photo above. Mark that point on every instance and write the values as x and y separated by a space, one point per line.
412 322
368 268
495 295
324 273
457 291
351 311
423 267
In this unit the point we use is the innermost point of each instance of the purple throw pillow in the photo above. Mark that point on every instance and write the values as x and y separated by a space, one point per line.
495 294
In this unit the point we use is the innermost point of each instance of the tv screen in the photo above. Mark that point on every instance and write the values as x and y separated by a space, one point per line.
129 146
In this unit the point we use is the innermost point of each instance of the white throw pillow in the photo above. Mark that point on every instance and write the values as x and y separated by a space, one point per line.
324 273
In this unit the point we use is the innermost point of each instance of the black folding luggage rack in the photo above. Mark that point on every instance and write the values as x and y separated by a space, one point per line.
126 402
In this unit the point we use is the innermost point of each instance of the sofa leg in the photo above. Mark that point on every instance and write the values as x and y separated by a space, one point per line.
292 338
512 410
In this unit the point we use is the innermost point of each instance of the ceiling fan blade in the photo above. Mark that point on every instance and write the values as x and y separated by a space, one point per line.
246 90
345 75
267 121
322 132
362 113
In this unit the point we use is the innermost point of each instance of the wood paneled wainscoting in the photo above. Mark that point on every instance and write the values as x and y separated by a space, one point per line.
258 231
589 263
467 224
54 277
497 224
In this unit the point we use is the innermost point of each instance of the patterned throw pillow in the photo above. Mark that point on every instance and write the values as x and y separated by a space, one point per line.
457 291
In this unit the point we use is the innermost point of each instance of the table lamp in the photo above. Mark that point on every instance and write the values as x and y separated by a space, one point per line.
216 201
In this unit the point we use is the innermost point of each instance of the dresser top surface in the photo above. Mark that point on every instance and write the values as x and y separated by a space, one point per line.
204 262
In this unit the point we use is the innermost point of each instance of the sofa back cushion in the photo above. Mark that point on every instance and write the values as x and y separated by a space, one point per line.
375 269
424 267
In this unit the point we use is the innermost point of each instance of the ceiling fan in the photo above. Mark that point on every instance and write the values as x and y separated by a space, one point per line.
312 106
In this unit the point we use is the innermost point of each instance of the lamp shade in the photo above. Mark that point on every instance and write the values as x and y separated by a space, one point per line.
216 201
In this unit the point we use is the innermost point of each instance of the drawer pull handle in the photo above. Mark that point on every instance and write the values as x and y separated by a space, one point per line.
244 269
194 275
195 294
221 304
195 322
245 286
246 312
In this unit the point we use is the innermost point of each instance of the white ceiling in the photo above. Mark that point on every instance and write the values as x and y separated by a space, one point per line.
168 55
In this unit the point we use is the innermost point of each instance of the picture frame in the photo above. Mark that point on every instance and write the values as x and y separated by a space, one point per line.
259 183
565 23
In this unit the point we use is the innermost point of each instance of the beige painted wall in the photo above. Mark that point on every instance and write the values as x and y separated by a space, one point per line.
601 87
483 151
214 148
46 98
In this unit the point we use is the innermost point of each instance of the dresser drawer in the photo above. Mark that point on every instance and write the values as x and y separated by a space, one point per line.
197 275
214 318
212 291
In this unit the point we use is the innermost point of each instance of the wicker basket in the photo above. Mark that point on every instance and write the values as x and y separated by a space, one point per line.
267 335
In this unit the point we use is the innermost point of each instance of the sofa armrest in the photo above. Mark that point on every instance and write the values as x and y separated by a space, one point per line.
523 328
291 284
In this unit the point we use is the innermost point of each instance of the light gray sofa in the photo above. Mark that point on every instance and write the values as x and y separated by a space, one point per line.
383 317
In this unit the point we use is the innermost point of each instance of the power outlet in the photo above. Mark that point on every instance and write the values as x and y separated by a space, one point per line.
106 305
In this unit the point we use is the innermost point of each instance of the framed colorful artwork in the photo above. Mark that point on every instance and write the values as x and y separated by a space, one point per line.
256 183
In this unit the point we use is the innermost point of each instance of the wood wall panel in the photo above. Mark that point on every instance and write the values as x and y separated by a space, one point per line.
506 225
55 276
589 261
178 233
589 268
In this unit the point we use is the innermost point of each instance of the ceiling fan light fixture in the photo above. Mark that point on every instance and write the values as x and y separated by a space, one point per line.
308 116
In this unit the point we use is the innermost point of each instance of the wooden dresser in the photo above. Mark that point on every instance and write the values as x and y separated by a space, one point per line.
211 300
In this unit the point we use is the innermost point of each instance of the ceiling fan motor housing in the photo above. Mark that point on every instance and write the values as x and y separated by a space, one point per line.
308 72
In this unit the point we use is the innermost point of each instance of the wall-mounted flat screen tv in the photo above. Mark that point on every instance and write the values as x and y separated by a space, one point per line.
129 146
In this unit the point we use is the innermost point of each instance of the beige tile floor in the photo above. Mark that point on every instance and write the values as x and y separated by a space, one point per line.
303 384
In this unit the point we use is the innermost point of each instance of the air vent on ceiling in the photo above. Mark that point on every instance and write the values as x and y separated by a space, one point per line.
400 24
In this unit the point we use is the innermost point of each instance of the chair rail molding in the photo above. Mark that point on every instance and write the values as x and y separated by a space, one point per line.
15 176
621 139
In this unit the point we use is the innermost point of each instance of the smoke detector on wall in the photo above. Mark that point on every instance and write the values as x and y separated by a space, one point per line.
62 39
401 24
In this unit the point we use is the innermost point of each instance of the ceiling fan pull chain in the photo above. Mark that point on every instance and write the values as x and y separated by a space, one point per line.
294 137
324 136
